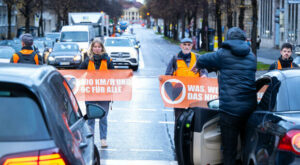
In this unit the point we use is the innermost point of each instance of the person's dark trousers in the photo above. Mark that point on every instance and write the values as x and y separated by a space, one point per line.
231 127
178 112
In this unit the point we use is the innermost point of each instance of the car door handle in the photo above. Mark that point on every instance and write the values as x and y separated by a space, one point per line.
83 145
89 135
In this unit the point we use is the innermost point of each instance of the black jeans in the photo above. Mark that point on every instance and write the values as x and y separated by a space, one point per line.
231 127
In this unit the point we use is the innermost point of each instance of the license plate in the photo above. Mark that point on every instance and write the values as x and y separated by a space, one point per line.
64 63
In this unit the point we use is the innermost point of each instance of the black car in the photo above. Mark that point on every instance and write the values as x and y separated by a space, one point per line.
65 55
272 131
40 121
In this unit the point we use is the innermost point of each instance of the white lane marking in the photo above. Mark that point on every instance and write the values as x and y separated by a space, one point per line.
166 122
168 110
108 149
137 162
146 150
138 121
141 60
113 121
135 109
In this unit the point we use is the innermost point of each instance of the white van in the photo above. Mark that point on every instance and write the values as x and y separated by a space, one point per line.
80 34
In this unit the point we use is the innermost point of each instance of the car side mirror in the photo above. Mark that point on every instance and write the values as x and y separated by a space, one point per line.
94 111
213 104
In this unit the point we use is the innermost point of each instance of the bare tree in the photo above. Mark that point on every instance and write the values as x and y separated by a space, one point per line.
254 26
229 13
27 9
9 5
242 14
204 31
218 21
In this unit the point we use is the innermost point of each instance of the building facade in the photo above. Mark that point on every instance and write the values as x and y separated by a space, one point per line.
279 22
4 20
131 14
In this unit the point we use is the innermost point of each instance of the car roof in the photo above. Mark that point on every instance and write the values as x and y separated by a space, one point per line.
284 73
26 74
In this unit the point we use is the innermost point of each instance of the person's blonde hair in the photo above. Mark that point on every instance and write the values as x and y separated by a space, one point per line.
90 50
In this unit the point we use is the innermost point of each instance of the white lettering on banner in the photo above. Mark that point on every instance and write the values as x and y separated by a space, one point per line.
100 81
212 89
208 97
111 82
85 90
195 96
86 82
114 89
196 88
98 89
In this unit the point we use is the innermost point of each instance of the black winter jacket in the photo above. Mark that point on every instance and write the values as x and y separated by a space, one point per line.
236 66
97 61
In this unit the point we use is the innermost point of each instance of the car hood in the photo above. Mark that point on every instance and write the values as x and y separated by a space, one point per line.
119 49
64 53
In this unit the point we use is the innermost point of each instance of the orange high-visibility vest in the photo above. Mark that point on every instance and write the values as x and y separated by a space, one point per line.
103 65
184 70
279 67
32 57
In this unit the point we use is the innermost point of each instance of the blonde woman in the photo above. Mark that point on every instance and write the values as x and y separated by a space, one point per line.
98 60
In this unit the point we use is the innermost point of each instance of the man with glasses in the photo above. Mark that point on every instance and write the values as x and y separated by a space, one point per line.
181 65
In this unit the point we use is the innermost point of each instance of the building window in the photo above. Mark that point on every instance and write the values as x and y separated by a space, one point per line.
292 22
266 18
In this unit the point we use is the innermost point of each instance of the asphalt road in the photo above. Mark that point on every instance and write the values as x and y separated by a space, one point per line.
141 131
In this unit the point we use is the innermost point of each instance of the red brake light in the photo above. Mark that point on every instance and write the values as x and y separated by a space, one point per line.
44 157
290 142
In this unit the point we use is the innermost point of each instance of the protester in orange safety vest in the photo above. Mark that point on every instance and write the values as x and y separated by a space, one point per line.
181 65
285 60
27 54
98 60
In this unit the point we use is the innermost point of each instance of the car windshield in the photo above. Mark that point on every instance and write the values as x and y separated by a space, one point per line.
65 47
293 94
52 36
118 42
297 60
6 53
39 45
23 121
74 37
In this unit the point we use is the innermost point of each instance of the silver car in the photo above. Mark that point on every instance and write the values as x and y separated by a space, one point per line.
122 52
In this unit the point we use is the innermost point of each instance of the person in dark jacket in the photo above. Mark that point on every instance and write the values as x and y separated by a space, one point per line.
236 66
285 60
98 60
27 54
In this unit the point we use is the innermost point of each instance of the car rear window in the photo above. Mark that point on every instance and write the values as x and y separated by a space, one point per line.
21 118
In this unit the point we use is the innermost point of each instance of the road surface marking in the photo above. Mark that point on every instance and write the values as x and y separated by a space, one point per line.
137 121
134 109
108 149
137 162
166 122
141 60
146 150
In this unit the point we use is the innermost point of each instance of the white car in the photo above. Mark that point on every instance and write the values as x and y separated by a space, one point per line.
122 52
6 53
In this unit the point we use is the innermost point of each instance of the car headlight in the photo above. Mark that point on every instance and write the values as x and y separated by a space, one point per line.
133 54
51 58
77 58
83 50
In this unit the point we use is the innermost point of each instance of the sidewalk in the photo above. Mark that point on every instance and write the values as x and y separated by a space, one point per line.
267 55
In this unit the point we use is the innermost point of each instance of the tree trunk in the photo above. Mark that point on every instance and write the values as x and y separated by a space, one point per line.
183 25
242 14
204 30
254 26
165 28
41 25
9 8
195 22
229 14
219 23
27 19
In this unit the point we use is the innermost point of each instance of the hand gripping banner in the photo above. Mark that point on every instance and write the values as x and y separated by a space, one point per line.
110 85
183 92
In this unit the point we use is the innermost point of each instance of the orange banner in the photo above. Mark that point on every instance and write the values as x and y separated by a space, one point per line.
183 92
110 85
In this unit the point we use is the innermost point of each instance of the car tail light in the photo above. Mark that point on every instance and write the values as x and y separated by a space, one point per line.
290 142
44 157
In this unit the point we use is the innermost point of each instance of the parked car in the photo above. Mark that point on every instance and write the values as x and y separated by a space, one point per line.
41 121
6 53
122 52
272 131
135 42
65 55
